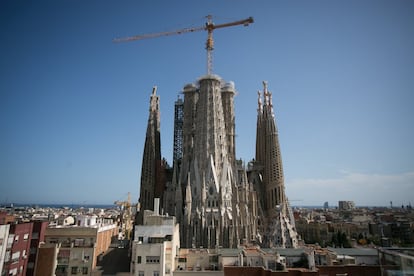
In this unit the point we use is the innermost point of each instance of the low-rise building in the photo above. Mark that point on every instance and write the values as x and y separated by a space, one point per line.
197 259
355 256
397 261
73 250
6 218
155 245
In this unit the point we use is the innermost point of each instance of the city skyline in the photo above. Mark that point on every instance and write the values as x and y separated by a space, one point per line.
74 105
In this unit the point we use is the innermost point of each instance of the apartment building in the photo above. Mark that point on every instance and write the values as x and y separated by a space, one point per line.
17 249
73 250
38 236
155 245
4 236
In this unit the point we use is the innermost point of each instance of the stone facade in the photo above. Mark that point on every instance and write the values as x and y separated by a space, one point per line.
151 172
217 201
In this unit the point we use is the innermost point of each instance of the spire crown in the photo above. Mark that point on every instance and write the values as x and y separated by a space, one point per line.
267 95
259 102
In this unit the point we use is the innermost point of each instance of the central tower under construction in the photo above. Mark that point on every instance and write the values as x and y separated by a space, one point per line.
208 175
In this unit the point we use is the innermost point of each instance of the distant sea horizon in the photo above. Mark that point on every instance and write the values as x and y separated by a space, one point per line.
60 205
111 206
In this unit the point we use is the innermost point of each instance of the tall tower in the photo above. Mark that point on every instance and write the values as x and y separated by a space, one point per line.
268 153
207 174
278 224
151 172
227 97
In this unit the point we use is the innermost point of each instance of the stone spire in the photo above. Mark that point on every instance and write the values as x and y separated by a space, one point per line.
278 228
268 154
151 173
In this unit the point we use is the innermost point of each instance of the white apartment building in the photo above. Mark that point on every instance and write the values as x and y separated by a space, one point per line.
4 234
155 245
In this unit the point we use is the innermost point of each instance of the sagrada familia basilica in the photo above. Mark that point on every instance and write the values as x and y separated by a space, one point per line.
217 199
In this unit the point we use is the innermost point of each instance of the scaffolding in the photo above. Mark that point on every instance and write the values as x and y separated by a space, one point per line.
178 129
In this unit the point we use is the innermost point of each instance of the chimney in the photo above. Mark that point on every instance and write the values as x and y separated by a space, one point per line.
156 206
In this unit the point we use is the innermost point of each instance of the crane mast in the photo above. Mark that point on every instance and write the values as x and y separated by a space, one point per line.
209 27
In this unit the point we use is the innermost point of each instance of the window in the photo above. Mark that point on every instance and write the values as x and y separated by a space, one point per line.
61 269
26 237
13 271
156 240
156 273
53 241
79 242
16 256
63 256
74 270
153 259
141 273
16 238
84 270
139 259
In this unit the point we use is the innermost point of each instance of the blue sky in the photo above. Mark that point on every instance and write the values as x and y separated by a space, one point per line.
74 105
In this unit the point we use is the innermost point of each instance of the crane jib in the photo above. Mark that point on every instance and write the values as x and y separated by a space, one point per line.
209 27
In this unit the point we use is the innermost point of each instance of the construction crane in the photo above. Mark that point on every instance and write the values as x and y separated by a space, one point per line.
126 217
209 27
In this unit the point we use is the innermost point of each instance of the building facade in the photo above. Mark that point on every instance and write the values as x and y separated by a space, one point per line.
217 200
207 175
17 250
4 238
38 237
155 245
151 171
73 250
346 205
